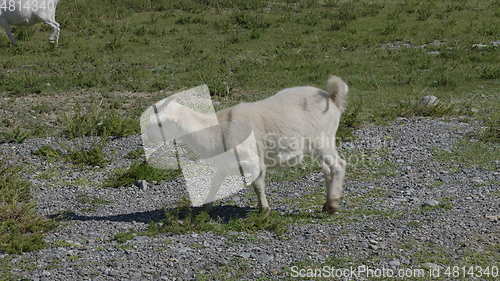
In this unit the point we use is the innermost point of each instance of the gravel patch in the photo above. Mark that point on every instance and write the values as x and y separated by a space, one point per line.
412 213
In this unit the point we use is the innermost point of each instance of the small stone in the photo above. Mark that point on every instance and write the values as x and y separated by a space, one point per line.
496 43
373 247
429 101
493 218
142 184
184 250
265 258
474 110
245 255
431 266
479 46
373 242
394 263
430 203
477 180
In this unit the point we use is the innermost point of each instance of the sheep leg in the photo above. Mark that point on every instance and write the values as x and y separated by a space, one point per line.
54 36
334 180
259 187
8 31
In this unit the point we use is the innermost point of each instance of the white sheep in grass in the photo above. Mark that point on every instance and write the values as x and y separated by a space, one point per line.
288 125
29 12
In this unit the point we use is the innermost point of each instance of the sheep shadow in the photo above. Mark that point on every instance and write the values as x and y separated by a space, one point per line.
220 213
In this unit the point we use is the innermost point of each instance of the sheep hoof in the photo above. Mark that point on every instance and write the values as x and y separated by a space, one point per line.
330 208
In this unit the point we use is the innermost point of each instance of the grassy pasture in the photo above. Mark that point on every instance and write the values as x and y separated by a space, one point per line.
120 54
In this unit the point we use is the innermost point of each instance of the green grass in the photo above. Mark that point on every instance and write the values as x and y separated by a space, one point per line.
135 154
362 165
91 200
445 204
48 152
98 121
369 165
294 172
140 171
123 237
469 153
21 229
188 220
491 132
247 50
94 156
235 270
16 135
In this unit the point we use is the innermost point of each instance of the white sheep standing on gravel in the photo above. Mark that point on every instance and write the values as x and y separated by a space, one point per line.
29 12
294 122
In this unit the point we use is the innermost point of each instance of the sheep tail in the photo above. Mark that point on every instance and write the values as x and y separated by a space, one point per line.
337 89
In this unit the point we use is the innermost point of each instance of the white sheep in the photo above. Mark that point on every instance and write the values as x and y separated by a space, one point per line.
29 12
288 125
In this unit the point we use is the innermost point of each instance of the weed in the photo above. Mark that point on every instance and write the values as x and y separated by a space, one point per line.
98 121
470 154
21 229
135 154
65 244
50 173
369 165
490 134
123 237
140 171
92 157
349 122
187 220
16 135
91 200
414 108
48 152
445 204
489 72
293 172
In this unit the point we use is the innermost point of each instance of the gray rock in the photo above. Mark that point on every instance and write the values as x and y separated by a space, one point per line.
430 203
264 258
244 255
394 263
477 180
431 266
429 101
142 184
479 46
